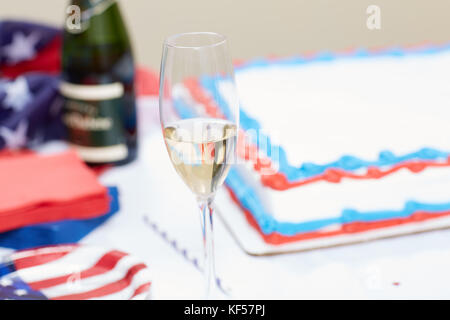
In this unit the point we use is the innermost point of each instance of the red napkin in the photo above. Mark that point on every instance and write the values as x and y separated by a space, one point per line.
37 189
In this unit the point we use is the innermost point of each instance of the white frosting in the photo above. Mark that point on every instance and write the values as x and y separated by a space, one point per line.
326 200
322 110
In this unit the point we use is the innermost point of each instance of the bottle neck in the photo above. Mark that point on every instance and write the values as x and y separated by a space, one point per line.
100 21
88 4
99 51
92 8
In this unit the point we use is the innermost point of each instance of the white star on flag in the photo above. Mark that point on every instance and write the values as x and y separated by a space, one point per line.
20 292
22 47
15 139
5 282
18 94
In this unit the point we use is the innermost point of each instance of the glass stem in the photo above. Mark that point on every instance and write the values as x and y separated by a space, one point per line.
207 212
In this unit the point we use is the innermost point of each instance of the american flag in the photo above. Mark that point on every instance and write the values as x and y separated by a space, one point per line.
73 272
30 104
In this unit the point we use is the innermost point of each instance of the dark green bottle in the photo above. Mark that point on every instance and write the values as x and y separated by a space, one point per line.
98 83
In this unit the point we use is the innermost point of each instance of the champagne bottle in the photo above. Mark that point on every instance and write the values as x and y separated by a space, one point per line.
98 84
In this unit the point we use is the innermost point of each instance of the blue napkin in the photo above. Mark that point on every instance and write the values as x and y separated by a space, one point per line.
67 231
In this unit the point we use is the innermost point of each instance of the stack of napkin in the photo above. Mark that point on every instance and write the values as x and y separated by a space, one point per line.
47 188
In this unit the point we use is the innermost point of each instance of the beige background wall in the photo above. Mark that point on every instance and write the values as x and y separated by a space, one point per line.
263 27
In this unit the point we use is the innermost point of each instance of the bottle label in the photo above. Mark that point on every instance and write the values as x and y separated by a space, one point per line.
93 115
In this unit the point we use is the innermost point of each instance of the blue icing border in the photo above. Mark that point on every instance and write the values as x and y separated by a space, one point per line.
361 53
308 169
250 200
346 162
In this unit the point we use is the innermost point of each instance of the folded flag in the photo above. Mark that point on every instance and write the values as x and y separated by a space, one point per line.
30 111
29 47
30 104
37 189
73 272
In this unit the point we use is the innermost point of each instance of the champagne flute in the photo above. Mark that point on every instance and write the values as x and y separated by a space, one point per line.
199 113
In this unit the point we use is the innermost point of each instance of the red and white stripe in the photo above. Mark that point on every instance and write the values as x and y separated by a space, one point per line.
76 272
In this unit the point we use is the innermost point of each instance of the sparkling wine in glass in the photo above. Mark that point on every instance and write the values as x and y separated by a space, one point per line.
199 113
